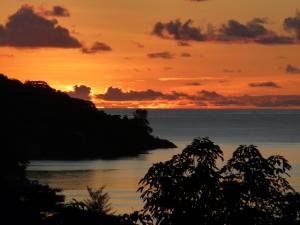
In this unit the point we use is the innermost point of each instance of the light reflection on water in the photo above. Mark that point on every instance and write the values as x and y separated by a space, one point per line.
274 132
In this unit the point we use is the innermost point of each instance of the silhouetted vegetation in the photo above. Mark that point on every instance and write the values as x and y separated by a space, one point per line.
192 189
48 124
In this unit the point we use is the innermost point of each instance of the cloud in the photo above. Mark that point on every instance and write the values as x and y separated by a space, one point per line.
57 11
264 84
202 98
193 84
264 101
26 28
274 39
292 69
209 95
117 94
137 44
235 30
97 47
253 31
186 54
293 24
177 30
81 92
161 55
183 43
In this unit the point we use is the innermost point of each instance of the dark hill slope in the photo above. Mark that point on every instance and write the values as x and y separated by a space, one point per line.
44 123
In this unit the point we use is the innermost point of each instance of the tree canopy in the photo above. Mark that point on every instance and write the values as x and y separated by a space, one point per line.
192 188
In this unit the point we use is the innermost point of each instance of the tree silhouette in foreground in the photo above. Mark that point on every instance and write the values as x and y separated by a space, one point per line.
191 188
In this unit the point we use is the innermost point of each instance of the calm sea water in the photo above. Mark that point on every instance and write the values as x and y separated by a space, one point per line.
273 131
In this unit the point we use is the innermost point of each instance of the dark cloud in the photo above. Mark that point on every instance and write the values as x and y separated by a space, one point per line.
97 47
209 95
183 43
236 30
292 69
137 44
193 84
81 92
264 84
161 55
274 39
57 11
26 28
254 31
177 30
202 98
293 24
186 54
117 94
264 101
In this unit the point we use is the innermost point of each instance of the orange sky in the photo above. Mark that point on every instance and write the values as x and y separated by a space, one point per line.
232 69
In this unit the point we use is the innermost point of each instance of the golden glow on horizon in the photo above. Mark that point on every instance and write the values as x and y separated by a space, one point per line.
224 68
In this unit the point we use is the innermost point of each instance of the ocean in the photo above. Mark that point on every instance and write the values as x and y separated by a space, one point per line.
273 131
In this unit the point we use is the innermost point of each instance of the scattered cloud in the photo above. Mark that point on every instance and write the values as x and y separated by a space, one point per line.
253 31
183 43
26 28
57 11
273 39
96 48
293 24
264 101
269 84
82 92
202 98
235 30
137 44
193 84
161 55
177 30
117 94
209 95
292 69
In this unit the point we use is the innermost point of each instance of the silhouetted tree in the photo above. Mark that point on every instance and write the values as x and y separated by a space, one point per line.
191 189
141 115
185 189
254 186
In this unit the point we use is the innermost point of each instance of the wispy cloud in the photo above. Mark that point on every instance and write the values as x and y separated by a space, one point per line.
292 69
269 84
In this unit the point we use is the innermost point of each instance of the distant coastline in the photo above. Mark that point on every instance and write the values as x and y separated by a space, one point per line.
46 124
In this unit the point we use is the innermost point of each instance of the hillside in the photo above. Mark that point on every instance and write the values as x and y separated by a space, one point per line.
44 123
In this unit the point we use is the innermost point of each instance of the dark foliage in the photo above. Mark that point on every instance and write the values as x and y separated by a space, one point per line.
48 124
191 189
24 201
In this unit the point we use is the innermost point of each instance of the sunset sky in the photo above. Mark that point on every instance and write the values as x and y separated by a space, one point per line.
157 53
